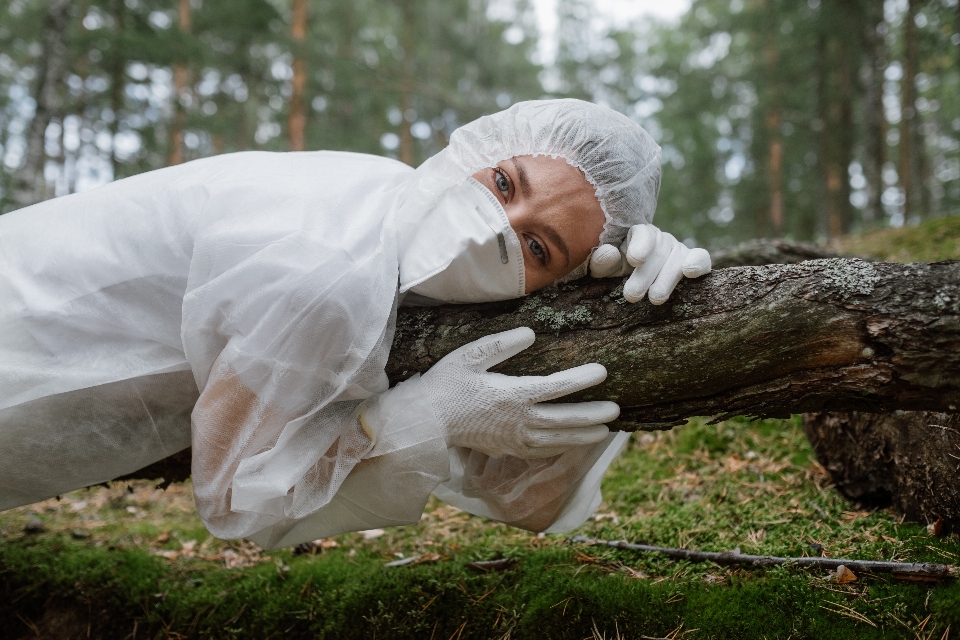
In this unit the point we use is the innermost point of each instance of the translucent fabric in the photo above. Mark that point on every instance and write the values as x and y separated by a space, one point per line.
553 495
270 281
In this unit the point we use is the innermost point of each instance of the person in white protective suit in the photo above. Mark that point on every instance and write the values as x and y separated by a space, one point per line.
246 304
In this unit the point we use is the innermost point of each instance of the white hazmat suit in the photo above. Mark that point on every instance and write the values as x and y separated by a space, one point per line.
245 305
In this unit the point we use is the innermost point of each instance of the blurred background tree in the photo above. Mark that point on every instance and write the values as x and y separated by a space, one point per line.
807 120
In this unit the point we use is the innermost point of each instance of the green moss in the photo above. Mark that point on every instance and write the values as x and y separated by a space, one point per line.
752 485
933 240
549 595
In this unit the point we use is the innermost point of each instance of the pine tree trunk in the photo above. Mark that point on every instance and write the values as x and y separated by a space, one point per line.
181 80
875 62
118 73
908 113
824 335
29 187
838 21
406 81
830 171
297 120
774 121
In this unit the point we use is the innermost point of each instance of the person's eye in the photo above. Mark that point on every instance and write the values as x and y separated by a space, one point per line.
503 184
537 250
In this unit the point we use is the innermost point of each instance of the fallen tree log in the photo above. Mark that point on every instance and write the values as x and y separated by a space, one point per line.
755 253
839 334
771 341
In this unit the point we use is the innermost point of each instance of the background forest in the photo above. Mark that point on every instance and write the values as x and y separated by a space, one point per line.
808 120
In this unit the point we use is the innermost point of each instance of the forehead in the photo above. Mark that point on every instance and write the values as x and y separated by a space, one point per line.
546 177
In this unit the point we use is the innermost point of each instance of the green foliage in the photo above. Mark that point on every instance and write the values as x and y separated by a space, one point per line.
753 101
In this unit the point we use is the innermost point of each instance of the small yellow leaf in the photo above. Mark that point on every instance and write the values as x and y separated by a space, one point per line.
844 575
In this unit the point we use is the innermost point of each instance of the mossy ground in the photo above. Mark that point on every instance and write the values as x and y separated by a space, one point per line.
930 241
115 559
130 561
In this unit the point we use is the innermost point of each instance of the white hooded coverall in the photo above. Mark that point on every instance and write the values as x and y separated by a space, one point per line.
245 305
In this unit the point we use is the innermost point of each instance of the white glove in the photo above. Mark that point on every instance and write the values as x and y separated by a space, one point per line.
500 415
657 259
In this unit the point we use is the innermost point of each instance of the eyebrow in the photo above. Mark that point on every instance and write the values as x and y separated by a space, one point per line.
557 239
522 176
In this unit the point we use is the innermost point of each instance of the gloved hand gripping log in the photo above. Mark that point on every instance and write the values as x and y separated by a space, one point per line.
511 415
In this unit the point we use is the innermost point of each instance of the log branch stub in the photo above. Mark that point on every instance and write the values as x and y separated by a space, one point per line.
823 335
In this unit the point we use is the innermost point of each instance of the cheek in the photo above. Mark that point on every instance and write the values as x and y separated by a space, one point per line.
534 279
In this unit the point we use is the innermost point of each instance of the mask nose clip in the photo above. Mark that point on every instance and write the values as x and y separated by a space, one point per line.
501 240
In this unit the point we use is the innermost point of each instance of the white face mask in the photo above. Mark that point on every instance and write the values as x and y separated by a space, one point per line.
464 250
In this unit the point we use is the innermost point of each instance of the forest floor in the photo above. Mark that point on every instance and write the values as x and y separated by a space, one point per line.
132 561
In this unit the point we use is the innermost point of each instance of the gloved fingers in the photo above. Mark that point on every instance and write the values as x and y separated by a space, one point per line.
606 261
541 443
697 263
669 276
642 240
555 385
493 349
575 414
643 276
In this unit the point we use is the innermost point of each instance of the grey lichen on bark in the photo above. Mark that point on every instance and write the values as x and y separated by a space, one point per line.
824 335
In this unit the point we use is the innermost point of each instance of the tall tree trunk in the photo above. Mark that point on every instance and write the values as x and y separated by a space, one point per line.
957 30
297 120
774 121
830 172
844 109
908 87
118 74
181 80
29 187
408 26
875 62
836 112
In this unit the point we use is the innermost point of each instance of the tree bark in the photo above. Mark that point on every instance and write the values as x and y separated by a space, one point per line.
874 64
773 121
30 186
297 120
764 341
908 98
408 17
181 80
118 75
835 112
909 460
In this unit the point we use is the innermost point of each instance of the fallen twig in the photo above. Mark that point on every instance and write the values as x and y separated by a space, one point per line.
904 570
485 566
